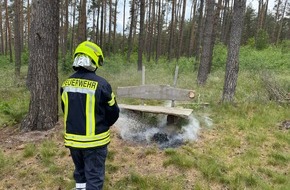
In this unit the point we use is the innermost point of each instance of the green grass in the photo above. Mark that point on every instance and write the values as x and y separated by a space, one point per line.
29 150
138 181
6 164
181 161
3 160
48 150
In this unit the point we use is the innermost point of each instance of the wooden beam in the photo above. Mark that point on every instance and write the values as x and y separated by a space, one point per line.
156 92
180 112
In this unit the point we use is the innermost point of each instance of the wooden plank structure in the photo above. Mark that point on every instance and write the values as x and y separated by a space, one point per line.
181 112
158 92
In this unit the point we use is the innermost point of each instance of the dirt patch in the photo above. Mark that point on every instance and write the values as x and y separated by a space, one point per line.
11 138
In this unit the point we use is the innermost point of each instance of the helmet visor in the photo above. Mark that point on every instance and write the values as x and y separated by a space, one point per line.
85 62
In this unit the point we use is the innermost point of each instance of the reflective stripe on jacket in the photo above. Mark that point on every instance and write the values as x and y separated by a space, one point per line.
89 108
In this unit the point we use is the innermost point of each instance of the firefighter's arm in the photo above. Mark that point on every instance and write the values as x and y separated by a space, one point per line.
111 106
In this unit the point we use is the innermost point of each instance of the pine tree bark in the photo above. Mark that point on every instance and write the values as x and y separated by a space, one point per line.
115 26
8 40
130 37
72 41
28 19
170 47
109 48
192 30
199 31
214 31
226 22
21 25
42 78
232 66
159 30
105 22
181 30
82 33
124 19
97 39
206 58
102 23
141 34
150 24
1 33
6 28
281 22
65 32
17 38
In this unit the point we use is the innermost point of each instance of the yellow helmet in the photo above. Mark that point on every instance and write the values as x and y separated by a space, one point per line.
92 50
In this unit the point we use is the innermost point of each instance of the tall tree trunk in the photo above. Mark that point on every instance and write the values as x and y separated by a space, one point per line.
102 23
281 22
6 28
206 58
226 22
61 24
82 26
150 24
141 34
181 30
8 46
214 31
74 5
154 30
93 34
17 38
124 19
28 19
171 31
134 35
115 26
262 13
159 30
130 38
65 31
105 22
10 42
110 28
199 30
42 79
277 17
1 32
98 40
192 29
232 66
21 25
265 13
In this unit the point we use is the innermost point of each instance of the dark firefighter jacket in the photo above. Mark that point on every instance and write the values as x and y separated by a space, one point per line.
90 108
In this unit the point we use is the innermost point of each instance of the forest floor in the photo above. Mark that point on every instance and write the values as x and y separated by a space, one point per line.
219 154
128 156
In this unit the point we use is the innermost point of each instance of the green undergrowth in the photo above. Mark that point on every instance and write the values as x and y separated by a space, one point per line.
243 147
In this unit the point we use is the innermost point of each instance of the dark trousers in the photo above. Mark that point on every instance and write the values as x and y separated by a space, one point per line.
90 166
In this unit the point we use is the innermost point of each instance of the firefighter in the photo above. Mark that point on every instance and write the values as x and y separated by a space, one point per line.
89 108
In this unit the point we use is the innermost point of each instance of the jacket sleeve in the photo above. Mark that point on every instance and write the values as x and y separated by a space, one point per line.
111 106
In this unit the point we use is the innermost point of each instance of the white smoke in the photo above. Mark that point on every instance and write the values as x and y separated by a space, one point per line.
190 131
135 127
